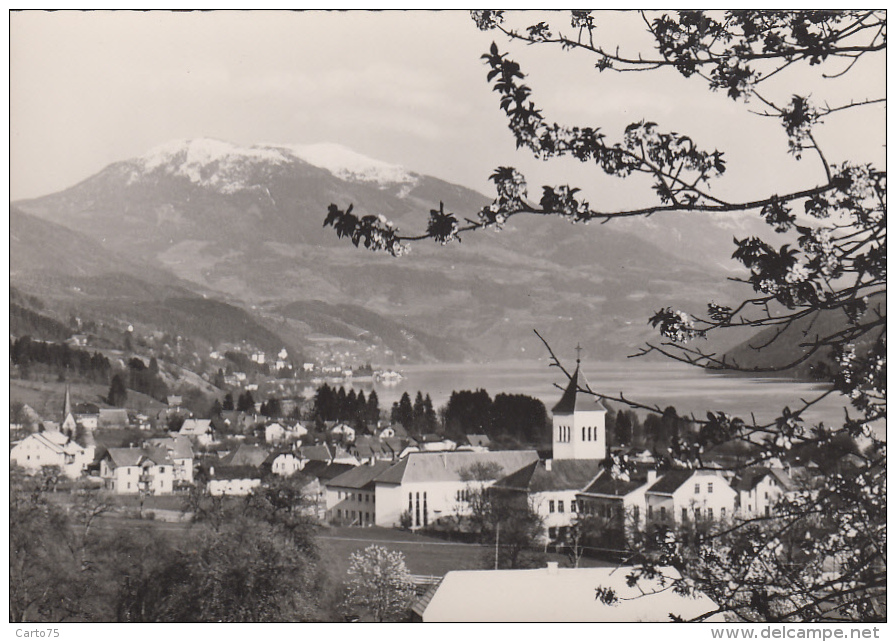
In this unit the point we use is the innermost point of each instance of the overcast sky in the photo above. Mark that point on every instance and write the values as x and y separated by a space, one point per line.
91 88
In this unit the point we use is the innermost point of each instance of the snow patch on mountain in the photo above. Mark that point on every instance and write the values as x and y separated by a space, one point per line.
348 164
230 168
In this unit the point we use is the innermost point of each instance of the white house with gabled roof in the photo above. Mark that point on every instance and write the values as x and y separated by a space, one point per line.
51 448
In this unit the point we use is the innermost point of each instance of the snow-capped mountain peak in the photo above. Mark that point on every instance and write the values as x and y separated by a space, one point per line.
350 165
230 168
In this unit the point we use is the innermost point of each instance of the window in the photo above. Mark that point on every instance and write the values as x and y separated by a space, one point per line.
768 511
636 514
417 512
709 487
723 512
684 514
425 510
663 513
650 512
709 513
583 433
696 489
339 513
560 506
696 513
552 533
410 503
572 506
551 506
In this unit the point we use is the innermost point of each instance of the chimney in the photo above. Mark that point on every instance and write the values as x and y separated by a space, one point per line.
651 476
553 567
547 466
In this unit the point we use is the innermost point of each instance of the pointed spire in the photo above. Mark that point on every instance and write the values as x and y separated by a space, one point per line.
67 404
572 398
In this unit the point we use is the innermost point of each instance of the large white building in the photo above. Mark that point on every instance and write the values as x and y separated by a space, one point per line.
51 448
430 486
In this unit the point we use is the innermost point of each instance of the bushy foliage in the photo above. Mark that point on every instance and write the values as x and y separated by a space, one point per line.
380 584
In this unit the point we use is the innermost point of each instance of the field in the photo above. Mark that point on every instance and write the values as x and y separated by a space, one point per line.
423 555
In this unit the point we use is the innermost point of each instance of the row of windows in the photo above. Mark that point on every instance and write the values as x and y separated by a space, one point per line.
684 513
560 507
464 495
358 497
708 488
589 433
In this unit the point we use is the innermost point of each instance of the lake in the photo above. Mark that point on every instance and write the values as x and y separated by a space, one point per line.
689 390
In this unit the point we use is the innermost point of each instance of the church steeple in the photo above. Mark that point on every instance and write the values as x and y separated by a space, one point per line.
579 420
67 404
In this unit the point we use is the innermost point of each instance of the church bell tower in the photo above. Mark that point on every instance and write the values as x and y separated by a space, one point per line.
579 421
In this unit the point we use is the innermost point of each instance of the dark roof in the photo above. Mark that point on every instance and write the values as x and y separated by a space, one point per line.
752 476
670 482
246 456
565 474
324 471
574 400
606 484
420 605
236 472
481 441
395 474
318 452
359 476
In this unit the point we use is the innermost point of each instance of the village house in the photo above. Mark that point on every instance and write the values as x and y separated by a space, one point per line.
180 451
344 432
619 500
351 497
690 496
759 489
551 488
479 442
129 471
555 594
233 480
51 448
198 429
112 418
283 463
430 486
277 432
368 449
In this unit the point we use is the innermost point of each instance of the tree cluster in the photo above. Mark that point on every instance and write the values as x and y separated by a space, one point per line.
351 408
58 358
419 418
250 561
515 417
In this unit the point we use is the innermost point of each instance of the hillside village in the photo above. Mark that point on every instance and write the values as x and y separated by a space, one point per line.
389 478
